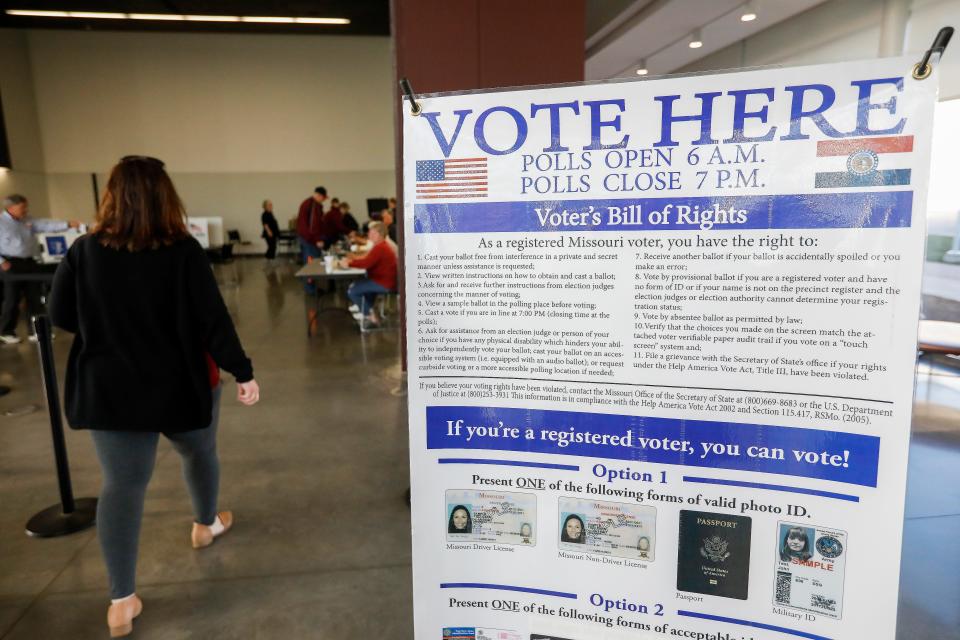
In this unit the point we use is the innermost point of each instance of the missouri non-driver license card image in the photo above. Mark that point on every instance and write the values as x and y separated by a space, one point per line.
491 516
810 563
608 528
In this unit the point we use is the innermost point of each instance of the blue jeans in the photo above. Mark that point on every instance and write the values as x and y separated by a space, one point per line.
127 459
308 250
363 293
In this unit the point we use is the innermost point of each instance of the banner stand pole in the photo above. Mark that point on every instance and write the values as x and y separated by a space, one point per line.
415 107
922 70
71 515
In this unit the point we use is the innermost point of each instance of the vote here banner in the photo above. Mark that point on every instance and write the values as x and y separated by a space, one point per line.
661 340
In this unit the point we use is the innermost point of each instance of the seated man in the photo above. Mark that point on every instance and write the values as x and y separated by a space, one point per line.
381 265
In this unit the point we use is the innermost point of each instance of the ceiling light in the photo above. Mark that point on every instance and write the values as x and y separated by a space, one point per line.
749 13
156 16
322 20
642 69
38 14
213 18
98 15
695 41
270 19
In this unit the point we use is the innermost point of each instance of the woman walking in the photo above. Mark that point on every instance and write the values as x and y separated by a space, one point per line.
271 230
151 332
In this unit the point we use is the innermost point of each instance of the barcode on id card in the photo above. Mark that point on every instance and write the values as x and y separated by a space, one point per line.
784 581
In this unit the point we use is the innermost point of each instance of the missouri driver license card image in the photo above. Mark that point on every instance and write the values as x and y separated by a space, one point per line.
810 563
491 516
608 528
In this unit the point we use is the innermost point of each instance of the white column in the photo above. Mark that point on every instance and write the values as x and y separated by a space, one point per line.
893 27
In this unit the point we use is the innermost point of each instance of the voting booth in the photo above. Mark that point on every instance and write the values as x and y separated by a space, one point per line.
54 246
207 231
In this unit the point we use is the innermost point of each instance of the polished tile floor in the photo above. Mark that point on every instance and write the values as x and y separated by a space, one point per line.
316 474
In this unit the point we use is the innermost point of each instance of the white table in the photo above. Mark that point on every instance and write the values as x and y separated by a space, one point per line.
316 271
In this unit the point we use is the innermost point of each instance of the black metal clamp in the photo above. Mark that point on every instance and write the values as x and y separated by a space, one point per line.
923 69
415 108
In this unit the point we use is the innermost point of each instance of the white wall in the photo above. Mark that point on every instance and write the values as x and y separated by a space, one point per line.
842 30
235 196
227 102
23 132
237 118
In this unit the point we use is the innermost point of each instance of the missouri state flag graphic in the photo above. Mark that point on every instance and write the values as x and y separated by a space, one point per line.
870 162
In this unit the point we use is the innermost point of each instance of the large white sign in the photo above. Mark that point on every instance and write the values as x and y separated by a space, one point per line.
662 339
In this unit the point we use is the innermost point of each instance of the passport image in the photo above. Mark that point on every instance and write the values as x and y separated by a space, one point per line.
714 554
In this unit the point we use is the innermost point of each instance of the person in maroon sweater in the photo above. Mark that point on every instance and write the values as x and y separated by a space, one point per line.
381 265
311 230
333 224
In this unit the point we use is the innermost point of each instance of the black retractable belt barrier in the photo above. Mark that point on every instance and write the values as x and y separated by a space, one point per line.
71 515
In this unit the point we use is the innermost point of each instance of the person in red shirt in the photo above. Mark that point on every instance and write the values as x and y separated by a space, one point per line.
381 265
334 227
311 230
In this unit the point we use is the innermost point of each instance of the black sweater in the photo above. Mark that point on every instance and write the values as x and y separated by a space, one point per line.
143 322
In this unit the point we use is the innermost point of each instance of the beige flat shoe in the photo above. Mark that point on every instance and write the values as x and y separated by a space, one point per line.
203 536
120 616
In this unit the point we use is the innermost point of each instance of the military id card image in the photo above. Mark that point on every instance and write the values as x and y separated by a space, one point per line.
810 563
499 517
714 554
608 528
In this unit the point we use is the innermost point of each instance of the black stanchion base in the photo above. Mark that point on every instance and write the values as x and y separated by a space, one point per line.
54 522
4 390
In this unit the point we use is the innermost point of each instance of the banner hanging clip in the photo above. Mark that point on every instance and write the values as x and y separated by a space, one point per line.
415 106
923 69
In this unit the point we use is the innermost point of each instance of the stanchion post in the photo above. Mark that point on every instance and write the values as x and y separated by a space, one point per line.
70 515
41 325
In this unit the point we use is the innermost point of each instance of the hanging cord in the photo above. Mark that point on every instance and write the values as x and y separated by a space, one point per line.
923 69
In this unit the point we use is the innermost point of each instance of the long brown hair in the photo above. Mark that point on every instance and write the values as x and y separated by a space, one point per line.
140 208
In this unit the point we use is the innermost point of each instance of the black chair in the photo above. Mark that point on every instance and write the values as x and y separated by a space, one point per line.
233 236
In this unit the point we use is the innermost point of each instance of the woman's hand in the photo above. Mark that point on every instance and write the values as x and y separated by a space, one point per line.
248 393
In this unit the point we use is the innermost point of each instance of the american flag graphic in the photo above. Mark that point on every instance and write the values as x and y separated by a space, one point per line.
452 178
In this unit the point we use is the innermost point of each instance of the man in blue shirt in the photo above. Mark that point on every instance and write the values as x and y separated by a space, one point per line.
18 249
